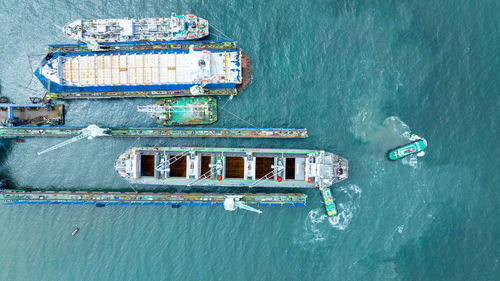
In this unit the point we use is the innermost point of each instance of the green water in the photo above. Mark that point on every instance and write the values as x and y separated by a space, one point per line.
361 76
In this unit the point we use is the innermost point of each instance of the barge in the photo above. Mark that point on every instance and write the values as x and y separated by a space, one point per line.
154 132
149 72
230 201
247 167
175 27
31 114
182 111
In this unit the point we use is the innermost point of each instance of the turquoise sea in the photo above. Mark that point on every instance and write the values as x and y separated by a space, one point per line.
361 76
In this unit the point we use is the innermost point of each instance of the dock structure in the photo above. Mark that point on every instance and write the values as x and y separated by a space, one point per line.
230 201
154 132
142 45
30 114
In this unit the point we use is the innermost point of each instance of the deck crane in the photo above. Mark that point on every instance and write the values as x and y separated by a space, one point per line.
275 170
232 202
89 132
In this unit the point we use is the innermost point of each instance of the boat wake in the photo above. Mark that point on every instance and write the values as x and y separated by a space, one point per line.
315 227
346 210
403 130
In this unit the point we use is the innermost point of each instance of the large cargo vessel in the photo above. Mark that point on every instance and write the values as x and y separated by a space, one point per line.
182 111
230 201
176 27
248 167
144 73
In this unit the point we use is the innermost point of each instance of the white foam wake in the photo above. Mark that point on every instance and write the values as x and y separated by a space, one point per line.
346 209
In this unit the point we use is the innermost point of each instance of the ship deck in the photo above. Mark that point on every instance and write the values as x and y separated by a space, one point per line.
155 132
29 115
158 68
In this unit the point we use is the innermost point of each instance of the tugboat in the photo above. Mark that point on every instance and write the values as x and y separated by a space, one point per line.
406 150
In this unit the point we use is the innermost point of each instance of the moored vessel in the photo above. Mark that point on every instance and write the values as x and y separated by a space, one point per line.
182 111
144 73
407 149
175 27
248 167
230 201
31 114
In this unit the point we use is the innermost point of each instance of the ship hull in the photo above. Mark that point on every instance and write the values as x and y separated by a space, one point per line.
235 167
144 73
176 27
406 150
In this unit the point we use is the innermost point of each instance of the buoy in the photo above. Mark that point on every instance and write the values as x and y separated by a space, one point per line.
279 179
219 178
309 180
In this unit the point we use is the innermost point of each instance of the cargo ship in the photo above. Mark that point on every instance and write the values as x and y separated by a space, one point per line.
30 114
247 167
230 201
407 149
149 72
175 27
182 111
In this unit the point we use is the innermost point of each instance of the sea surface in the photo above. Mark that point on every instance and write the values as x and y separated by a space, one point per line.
361 76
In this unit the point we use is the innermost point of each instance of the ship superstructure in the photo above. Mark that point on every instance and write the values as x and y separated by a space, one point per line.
203 166
175 27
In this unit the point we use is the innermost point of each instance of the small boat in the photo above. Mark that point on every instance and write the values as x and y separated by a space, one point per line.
175 27
331 210
406 150
182 111
75 231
